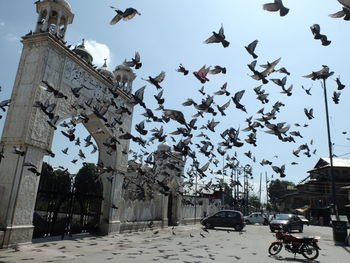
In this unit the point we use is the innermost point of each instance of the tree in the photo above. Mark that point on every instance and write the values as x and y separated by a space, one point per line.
277 189
228 198
86 181
54 180
269 207
254 201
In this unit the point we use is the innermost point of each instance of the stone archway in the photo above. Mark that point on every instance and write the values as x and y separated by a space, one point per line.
45 58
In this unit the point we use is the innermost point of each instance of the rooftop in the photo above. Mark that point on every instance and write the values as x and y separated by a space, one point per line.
325 162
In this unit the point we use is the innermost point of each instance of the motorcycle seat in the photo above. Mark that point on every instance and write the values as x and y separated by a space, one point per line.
308 238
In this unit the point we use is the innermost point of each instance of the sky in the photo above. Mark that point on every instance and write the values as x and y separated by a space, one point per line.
168 33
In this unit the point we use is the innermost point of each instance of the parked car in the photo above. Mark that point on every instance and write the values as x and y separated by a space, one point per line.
286 222
225 218
254 218
304 219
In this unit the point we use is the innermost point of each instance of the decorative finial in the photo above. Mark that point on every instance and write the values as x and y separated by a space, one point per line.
105 64
83 43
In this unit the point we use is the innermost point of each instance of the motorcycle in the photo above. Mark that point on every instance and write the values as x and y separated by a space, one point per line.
307 246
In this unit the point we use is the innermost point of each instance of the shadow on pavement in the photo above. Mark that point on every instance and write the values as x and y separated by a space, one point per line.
292 259
59 238
345 248
225 229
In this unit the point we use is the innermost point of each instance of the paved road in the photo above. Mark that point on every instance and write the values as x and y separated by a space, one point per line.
187 244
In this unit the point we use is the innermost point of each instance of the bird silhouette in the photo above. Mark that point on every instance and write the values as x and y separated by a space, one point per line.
134 62
182 70
315 29
218 38
201 74
276 6
156 80
251 48
128 14
237 98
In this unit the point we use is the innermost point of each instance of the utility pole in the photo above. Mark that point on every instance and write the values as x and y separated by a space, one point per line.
260 194
195 199
267 189
223 183
334 199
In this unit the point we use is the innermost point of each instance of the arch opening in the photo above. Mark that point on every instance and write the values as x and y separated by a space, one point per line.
70 193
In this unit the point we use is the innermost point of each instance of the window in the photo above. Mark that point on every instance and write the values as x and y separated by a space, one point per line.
231 214
220 214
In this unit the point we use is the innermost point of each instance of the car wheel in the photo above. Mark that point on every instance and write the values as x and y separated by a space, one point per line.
247 222
287 229
272 230
208 225
238 227
301 229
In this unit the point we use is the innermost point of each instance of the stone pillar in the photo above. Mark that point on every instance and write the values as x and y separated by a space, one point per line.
18 189
165 220
24 130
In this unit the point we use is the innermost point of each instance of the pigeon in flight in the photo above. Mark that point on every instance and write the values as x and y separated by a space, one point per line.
316 29
218 38
345 3
308 91
155 81
321 74
135 62
201 74
336 96
309 113
4 103
128 14
237 98
344 13
279 170
340 85
182 70
217 69
251 47
276 6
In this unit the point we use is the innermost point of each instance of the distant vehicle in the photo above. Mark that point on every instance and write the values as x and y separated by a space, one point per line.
254 218
286 222
225 218
304 219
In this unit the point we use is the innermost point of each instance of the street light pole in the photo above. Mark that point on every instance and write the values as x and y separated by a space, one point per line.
223 183
334 199
195 199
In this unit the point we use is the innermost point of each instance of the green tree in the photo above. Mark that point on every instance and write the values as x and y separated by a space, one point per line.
228 198
277 189
254 201
86 180
54 180
269 207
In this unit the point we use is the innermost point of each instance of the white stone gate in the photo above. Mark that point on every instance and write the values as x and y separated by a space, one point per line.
46 58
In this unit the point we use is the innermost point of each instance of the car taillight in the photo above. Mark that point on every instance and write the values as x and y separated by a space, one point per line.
242 219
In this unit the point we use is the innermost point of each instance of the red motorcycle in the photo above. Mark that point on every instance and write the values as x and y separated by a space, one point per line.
307 246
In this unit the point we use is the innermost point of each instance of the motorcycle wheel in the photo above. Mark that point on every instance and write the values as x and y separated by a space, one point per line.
274 249
309 251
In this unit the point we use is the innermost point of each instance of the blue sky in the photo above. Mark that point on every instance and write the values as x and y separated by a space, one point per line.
172 32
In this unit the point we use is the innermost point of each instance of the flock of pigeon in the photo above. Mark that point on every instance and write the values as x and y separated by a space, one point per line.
190 139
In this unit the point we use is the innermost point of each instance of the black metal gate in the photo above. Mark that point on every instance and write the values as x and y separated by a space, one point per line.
64 207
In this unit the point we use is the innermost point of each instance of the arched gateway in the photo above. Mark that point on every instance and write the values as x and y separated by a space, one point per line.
102 98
